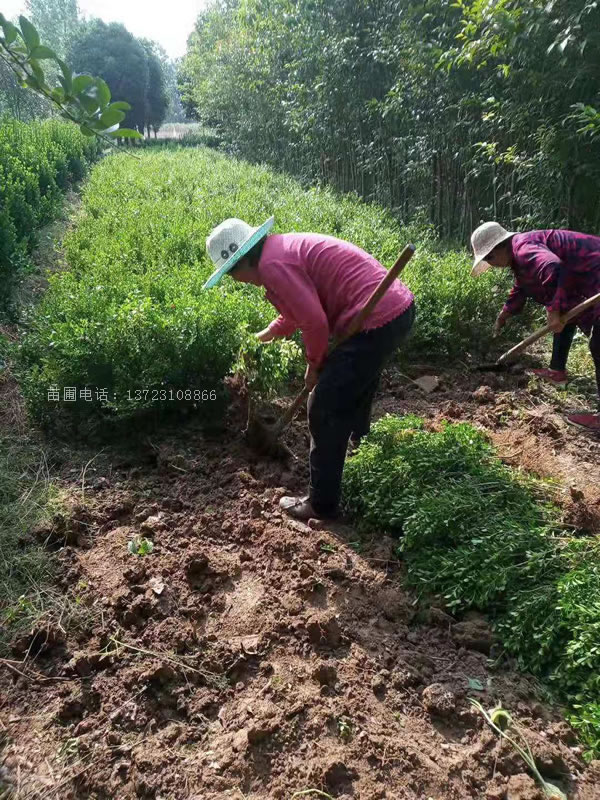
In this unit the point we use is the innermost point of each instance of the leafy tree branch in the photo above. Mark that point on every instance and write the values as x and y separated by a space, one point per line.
83 99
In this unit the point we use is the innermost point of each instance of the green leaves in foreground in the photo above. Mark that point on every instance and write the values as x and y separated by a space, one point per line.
484 536
82 99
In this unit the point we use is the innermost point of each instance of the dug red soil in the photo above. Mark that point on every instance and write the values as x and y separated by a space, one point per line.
249 656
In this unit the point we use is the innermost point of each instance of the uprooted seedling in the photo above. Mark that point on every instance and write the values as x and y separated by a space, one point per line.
261 371
116 647
345 728
266 368
140 546
501 722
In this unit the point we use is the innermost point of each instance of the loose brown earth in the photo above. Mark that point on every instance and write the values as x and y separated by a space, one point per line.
249 656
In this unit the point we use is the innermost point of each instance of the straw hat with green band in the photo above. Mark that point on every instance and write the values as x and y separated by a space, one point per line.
229 242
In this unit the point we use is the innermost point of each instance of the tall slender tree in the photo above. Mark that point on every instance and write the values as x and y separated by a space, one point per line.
57 21
175 109
157 100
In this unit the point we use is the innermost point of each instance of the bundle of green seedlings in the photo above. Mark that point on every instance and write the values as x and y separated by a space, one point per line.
486 537
262 370
129 315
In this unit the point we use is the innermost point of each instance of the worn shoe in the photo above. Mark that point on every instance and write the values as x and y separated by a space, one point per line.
298 508
589 422
301 508
554 376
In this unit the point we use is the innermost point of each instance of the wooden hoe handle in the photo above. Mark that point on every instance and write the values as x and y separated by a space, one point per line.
574 312
356 324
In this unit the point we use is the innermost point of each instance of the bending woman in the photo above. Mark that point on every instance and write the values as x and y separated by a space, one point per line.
318 284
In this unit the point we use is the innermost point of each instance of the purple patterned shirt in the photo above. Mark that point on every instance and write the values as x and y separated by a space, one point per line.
558 269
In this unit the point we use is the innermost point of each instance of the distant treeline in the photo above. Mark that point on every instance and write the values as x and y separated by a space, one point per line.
454 112
136 70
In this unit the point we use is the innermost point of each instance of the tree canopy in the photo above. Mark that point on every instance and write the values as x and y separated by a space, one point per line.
83 99
455 112
157 99
110 51
138 69
131 67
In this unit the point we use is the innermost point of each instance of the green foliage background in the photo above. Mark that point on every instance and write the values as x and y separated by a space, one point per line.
57 21
137 70
482 536
130 313
455 111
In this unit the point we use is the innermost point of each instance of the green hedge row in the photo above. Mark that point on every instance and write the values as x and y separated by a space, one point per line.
484 536
131 315
38 161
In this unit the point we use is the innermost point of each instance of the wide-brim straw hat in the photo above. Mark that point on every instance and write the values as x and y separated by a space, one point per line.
230 241
483 241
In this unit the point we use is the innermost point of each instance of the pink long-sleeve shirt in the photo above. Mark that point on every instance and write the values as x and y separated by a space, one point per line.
319 283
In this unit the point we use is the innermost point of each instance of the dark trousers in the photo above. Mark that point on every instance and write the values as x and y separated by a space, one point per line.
340 404
561 347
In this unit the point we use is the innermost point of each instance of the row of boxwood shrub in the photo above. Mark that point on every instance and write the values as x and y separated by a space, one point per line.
38 161
130 314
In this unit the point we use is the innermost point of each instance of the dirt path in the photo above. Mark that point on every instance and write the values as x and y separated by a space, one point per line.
48 255
46 258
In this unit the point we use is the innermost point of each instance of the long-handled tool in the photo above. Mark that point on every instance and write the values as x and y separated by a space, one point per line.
502 363
264 436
